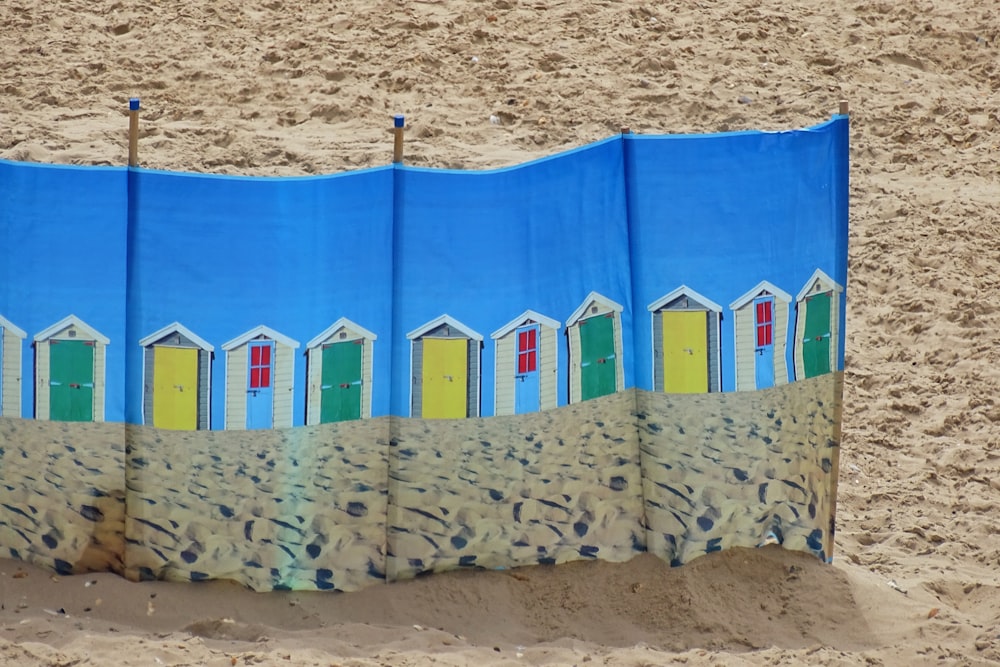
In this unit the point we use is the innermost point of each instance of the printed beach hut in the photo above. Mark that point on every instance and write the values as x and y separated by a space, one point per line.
70 372
445 367
176 379
260 378
687 343
761 332
339 371
526 365
11 342
817 326
595 349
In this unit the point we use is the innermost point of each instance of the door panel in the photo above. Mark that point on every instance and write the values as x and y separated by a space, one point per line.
340 389
685 352
597 357
764 339
175 388
526 374
816 339
71 387
260 384
445 378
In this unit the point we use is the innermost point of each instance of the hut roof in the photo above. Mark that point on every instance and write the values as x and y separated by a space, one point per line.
526 316
68 321
181 329
260 330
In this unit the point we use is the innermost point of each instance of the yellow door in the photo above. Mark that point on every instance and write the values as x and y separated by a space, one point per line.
175 388
685 352
445 378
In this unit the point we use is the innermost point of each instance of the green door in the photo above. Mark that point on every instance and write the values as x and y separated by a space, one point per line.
340 390
71 387
816 340
597 356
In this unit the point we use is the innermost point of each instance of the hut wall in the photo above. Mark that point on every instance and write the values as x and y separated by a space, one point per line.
236 383
284 385
10 374
548 368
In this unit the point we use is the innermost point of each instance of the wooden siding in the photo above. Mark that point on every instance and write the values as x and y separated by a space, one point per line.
780 342
549 369
658 350
41 379
573 336
474 349
835 331
743 324
100 386
619 354
204 389
148 373
504 374
367 356
314 383
284 385
416 377
236 388
714 353
10 374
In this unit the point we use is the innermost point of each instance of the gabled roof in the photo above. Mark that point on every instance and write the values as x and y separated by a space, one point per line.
444 319
823 279
332 329
182 330
6 325
69 321
528 315
762 286
591 298
682 291
261 330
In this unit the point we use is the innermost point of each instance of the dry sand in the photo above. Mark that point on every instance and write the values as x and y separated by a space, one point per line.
308 87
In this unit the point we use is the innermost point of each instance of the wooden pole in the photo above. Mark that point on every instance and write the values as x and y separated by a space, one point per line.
626 130
845 108
398 121
133 132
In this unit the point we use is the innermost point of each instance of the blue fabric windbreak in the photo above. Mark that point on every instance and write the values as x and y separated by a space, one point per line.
320 383
630 219
483 247
223 255
63 253
721 213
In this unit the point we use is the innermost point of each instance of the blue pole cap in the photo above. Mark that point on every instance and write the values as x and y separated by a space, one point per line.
133 104
397 120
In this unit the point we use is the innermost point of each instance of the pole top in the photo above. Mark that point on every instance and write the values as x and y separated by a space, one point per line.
133 104
398 120
845 108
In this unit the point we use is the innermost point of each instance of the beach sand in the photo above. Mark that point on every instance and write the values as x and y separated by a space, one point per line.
292 88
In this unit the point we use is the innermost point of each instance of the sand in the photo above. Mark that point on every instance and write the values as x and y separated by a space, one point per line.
298 87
